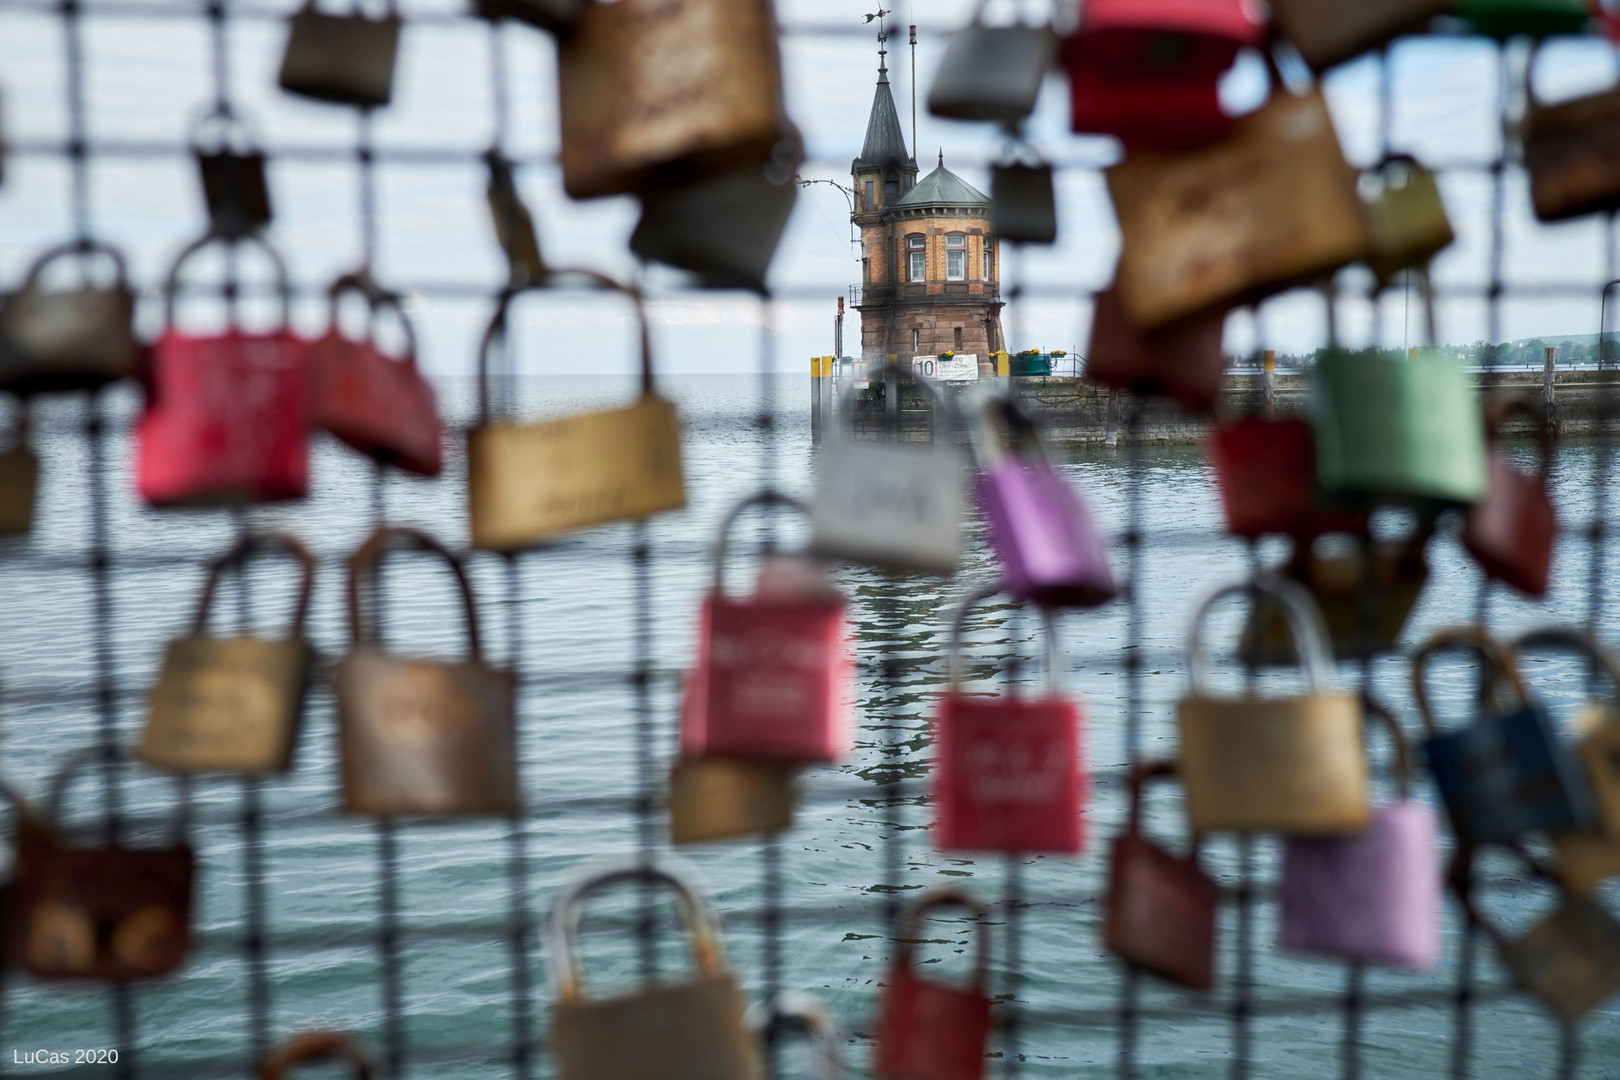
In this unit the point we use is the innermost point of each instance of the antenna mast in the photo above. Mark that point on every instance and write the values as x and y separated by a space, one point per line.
914 89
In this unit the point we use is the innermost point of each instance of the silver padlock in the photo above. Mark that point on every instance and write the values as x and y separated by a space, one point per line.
992 72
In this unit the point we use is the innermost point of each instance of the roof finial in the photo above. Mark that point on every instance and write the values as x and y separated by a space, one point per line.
883 40
942 157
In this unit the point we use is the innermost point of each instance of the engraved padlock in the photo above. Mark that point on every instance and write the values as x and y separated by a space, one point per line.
231 168
929 1029
347 59
233 704
317 1046
19 476
68 339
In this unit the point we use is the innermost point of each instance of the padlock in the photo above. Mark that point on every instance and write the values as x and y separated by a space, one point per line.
227 415
1147 71
317 1046
687 1030
1329 32
1586 858
1568 151
774 672
376 403
75 339
660 92
795 1013
556 16
1508 773
1373 897
1023 201
1160 914
231 168
1569 960
232 704
1271 206
928 1029
1265 468
107 912
1525 18
893 505
529 482
1007 770
346 59
1289 765
1511 532
1337 582
422 736
1049 547
19 477
514 226
1181 360
724 228
725 798
992 72
1407 219
1404 430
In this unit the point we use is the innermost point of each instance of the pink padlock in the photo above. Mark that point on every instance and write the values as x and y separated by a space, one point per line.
1050 549
774 674
1373 896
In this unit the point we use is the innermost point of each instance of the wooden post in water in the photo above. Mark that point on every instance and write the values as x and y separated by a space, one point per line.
1549 396
1268 378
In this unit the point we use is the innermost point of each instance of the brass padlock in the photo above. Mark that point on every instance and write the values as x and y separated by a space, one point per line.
1407 219
688 1030
528 482
231 168
1329 32
514 226
232 704
723 798
1271 206
422 736
1290 765
1587 858
108 912
317 1046
73 339
556 16
346 59
1569 153
654 92
19 478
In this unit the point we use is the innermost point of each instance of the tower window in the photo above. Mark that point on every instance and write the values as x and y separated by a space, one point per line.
870 205
956 258
918 259
989 260
891 188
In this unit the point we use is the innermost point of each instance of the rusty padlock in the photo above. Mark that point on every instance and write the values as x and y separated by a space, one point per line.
1511 532
422 736
1569 151
233 704
1329 32
317 1046
1289 765
345 59
514 225
1161 906
19 477
1181 360
106 912
725 798
929 1029
687 1030
1406 218
72 339
231 168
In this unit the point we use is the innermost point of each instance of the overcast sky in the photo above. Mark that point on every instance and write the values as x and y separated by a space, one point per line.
147 78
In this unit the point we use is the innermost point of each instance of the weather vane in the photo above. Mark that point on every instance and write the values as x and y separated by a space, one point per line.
883 34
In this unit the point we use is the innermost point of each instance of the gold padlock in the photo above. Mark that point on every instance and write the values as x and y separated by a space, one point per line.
232 704
688 1030
422 736
19 479
1293 765
346 59
1584 860
723 798
1271 206
654 92
1407 221
73 339
528 482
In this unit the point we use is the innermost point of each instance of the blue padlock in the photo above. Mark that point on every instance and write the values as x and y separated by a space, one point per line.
1508 773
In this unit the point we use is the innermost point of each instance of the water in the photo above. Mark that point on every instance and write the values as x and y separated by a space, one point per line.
851 852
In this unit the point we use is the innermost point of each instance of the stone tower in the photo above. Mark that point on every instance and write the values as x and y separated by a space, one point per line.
930 269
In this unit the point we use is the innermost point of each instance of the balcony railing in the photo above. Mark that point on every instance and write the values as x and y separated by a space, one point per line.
918 291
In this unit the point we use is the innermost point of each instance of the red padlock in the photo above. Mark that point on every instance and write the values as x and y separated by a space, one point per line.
930 1030
1183 360
774 672
378 404
1148 71
227 415
1511 532
1266 471
1007 770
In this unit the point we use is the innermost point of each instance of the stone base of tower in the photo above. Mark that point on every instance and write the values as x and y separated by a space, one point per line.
928 331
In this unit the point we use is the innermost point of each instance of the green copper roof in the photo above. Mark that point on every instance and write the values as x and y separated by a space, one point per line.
943 188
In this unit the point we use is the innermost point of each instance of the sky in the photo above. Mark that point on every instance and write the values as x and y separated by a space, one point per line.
147 79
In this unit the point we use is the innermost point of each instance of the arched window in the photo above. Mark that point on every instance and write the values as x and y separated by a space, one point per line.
956 257
916 258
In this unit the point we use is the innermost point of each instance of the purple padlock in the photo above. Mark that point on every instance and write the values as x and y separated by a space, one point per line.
1050 549
1373 896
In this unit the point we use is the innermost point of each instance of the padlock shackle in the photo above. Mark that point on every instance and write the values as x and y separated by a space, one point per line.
109 755
321 1045
240 554
943 897
722 543
1501 407
568 976
1138 778
1498 660
378 299
1572 639
1384 717
363 566
959 619
495 332
357 9
1460 876
843 408
999 414
84 247
224 119
171 283
1305 624
803 1012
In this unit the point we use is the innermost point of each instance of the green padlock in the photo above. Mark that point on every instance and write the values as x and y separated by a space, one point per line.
1525 18
1399 430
